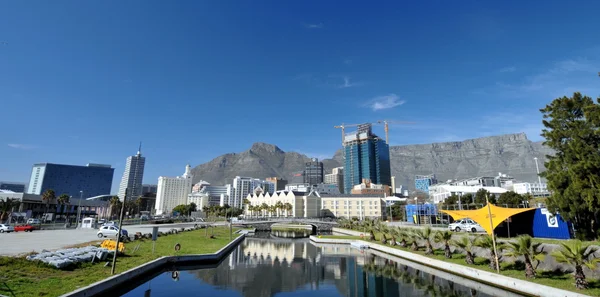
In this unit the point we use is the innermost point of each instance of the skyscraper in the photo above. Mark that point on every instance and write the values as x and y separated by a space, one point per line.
173 191
367 157
133 175
313 172
86 181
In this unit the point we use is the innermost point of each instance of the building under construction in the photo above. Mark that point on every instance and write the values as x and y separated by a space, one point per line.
367 157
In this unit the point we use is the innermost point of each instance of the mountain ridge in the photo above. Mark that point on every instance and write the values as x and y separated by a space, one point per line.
512 154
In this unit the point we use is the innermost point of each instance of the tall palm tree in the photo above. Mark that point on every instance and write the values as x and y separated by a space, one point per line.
444 237
425 235
486 242
278 207
48 196
63 199
524 247
114 202
288 207
6 207
264 208
466 243
576 254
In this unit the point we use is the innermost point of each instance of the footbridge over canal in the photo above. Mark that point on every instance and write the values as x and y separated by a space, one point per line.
265 225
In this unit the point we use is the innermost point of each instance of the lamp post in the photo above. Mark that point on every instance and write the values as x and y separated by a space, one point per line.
537 168
79 208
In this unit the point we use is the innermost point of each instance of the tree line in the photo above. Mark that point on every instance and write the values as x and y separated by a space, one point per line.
510 199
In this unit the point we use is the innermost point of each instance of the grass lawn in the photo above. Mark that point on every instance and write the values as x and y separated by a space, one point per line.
555 279
20 277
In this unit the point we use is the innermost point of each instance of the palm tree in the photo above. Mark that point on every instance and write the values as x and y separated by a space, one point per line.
412 237
425 235
369 226
445 237
63 199
138 202
114 202
381 228
264 208
466 243
6 207
524 247
48 197
402 234
395 232
288 207
574 253
486 242
278 207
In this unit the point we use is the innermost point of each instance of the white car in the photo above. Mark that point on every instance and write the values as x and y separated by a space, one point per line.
110 231
6 228
467 225
33 221
109 223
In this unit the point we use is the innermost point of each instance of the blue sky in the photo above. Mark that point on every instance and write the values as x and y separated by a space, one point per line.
86 81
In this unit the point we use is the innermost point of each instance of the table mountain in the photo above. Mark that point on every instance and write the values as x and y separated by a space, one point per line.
511 154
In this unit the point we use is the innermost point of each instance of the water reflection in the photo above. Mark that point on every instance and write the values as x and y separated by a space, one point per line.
264 267
291 233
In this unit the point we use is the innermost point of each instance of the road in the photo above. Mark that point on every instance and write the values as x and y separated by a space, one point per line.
17 243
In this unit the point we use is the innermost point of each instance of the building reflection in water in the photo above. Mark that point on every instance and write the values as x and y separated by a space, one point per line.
263 267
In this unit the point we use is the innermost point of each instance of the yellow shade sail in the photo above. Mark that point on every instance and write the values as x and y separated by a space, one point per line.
482 217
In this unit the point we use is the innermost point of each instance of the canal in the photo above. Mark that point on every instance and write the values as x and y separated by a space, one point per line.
268 264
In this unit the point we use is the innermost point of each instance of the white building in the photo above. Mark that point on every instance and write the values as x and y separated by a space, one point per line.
242 186
336 177
173 191
200 199
535 189
439 193
133 176
199 186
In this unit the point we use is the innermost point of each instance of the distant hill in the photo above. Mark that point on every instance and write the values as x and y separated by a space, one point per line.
511 154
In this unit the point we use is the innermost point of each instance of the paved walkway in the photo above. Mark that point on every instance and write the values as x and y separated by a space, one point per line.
18 243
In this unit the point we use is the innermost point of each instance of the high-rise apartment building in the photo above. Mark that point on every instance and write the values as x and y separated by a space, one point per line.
367 157
336 177
173 191
10 186
133 176
242 186
149 189
313 172
278 181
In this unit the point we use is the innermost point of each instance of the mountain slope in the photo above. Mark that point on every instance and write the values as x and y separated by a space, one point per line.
511 154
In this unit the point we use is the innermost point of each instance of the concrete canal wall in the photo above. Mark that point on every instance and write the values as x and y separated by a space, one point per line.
489 278
98 288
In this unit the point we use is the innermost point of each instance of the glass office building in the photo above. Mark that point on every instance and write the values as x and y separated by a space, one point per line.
422 182
367 157
93 179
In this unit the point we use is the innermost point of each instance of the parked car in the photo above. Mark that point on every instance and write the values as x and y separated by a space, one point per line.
110 231
25 228
6 228
34 221
109 223
465 225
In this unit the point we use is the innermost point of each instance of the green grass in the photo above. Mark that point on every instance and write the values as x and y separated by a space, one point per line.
556 279
20 277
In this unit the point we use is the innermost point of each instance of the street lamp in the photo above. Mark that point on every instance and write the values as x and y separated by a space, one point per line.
537 167
79 208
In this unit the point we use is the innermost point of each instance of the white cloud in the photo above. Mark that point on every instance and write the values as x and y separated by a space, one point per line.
314 26
508 69
21 146
384 102
347 83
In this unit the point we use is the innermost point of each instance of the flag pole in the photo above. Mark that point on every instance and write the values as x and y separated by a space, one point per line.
492 229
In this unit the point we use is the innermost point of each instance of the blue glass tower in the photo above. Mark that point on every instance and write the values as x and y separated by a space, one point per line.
367 157
92 180
422 182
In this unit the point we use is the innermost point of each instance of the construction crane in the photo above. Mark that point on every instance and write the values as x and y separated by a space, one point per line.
343 127
386 124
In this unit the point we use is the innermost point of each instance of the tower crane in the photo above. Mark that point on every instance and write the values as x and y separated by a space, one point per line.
386 124
343 127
